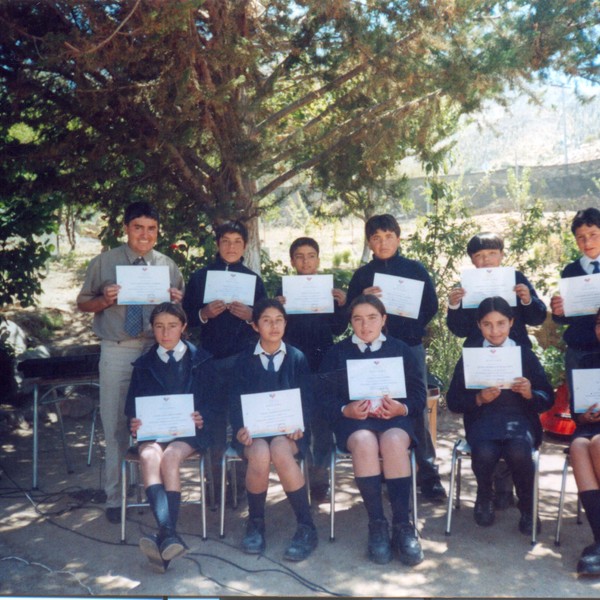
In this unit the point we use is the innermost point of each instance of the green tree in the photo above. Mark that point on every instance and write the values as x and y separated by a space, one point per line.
208 106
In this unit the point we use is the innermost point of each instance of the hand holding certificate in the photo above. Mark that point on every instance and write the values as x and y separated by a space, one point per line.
491 367
165 418
143 284
272 413
373 378
586 389
486 282
400 295
229 287
581 295
307 294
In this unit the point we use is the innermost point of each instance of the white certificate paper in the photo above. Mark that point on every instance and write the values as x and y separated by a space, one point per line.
373 378
229 286
581 295
586 388
491 367
165 418
143 284
272 413
400 295
305 294
486 282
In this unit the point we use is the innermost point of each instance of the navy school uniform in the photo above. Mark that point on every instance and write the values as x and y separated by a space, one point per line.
510 415
313 334
191 375
462 322
250 377
410 331
335 394
226 334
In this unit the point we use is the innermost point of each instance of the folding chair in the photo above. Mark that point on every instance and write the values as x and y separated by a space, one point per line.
337 456
561 502
228 461
462 450
132 459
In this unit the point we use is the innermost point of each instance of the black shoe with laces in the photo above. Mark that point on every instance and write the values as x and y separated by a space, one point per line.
433 491
405 544
172 547
150 547
379 547
254 540
589 562
526 524
305 540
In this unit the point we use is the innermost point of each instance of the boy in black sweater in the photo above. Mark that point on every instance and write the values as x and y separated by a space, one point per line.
314 334
579 336
383 236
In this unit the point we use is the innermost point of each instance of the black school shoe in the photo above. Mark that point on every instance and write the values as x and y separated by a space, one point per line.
405 544
589 562
526 524
483 513
254 540
172 547
113 514
379 548
305 540
433 491
150 548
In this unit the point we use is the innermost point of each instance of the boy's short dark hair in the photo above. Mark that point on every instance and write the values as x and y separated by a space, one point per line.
303 241
485 240
231 227
265 303
135 210
384 222
589 216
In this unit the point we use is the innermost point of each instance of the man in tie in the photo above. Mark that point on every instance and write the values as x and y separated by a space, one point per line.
579 336
124 332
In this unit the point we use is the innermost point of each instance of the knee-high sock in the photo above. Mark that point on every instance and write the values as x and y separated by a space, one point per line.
256 505
591 505
299 501
157 497
370 490
174 501
399 494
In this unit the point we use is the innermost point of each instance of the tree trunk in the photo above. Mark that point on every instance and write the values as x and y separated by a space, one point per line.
252 254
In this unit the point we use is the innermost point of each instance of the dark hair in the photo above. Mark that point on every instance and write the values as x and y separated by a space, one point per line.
265 303
384 222
303 241
485 241
494 303
135 210
171 309
231 227
372 300
589 216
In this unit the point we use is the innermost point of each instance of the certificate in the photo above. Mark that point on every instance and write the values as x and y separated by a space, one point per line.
165 418
229 286
486 282
581 295
401 296
306 294
272 413
491 367
373 378
143 284
586 388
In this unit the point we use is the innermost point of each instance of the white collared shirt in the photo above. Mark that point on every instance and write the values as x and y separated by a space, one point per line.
178 352
507 343
375 344
586 263
276 361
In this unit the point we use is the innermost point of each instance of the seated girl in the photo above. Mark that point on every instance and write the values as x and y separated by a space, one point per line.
171 366
585 460
502 423
385 432
272 365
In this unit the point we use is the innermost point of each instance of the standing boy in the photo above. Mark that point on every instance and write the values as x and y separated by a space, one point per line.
383 236
579 335
314 335
124 332
225 327
486 250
